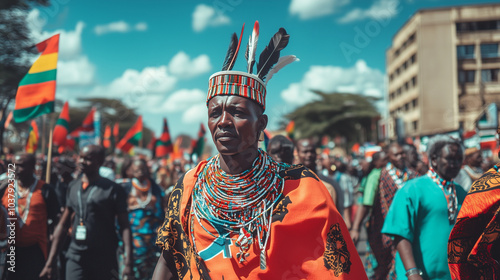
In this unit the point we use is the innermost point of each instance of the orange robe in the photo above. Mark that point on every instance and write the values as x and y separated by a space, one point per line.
477 231
309 239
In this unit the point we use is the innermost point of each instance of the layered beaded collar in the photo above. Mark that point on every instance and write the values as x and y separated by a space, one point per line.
239 204
449 191
398 176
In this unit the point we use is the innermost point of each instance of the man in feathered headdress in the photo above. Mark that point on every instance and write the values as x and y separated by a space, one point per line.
241 214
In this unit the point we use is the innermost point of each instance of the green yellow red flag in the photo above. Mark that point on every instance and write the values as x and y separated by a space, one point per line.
37 90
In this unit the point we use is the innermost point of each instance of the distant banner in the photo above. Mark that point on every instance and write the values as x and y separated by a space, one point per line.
86 138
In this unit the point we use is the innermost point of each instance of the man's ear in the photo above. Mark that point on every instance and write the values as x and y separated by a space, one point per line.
262 122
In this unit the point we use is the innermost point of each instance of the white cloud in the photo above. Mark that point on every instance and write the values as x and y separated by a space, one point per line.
119 27
380 9
183 67
183 99
73 68
357 79
138 88
205 16
190 102
141 26
76 72
307 9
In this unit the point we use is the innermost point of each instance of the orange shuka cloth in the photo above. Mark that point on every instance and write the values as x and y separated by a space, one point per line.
34 231
470 247
309 239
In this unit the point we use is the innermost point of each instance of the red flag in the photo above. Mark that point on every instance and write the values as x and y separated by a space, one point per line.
106 143
132 137
116 131
87 124
290 129
62 126
9 119
32 142
164 144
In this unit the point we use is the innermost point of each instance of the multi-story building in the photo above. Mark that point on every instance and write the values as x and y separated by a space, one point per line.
443 68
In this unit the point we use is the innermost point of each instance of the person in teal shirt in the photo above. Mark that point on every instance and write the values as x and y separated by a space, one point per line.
424 212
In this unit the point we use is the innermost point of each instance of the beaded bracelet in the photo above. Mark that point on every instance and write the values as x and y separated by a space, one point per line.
413 271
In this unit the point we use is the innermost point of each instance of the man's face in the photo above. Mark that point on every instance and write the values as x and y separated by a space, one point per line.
307 154
235 123
89 162
281 152
139 170
476 159
412 157
24 166
397 156
381 161
448 163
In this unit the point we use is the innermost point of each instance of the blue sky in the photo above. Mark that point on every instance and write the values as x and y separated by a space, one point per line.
157 55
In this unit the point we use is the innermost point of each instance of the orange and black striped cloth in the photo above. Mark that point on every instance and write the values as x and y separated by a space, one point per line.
475 238
309 239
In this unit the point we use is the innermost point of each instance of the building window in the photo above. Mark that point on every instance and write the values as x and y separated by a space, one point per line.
489 50
478 26
407 107
414 103
414 81
489 75
405 65
465 52
391 77
466 76
398 91
391 96
413 59
407 86
415 125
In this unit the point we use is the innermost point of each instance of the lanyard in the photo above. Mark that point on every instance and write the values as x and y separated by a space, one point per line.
83 214
28 201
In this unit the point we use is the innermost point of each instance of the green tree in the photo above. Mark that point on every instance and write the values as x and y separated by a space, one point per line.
15 47
333 114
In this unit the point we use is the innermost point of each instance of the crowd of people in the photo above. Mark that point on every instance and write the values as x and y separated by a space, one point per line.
68 230
291 212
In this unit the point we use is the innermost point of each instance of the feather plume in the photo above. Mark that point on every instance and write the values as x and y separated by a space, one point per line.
252 47
231 52
271 54
231 64
282 62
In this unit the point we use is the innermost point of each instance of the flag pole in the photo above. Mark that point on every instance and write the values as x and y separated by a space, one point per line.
49 158
44 118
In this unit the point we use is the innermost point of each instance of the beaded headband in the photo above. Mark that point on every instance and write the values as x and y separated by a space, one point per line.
252 86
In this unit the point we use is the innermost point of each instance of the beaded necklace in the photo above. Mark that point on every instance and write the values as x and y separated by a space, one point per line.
449 191
496 168
141 204
139 186
241 204
399 177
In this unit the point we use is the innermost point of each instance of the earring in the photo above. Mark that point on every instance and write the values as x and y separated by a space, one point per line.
261 137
